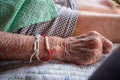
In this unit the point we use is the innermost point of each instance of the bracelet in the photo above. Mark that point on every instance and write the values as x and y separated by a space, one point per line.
48 49
36 48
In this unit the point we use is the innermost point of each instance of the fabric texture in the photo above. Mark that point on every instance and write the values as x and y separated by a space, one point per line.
15 14
53 70
67 3
62 26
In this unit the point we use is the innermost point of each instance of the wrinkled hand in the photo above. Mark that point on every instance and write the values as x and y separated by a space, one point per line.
82 50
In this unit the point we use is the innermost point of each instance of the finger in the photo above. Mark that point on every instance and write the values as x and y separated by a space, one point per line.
107 45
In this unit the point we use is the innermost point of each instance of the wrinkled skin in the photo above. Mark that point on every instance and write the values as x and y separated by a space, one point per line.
81 50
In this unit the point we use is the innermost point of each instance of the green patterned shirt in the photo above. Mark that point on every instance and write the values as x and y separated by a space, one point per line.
15 14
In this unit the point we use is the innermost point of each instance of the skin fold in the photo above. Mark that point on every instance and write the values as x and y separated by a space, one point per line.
98 15
106 24
101 6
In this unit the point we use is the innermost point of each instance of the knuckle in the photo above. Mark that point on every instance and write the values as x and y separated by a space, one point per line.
94 43
94 33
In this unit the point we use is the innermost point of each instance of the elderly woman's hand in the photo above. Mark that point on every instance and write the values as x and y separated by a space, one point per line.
82 50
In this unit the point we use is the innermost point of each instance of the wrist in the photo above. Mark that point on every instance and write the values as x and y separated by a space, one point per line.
42 49
56 47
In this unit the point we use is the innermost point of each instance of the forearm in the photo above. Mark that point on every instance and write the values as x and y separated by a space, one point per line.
15 46
21 47
107 24
101 6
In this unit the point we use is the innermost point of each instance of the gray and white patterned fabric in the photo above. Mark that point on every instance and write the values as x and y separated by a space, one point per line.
67 3
53 70
62 26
